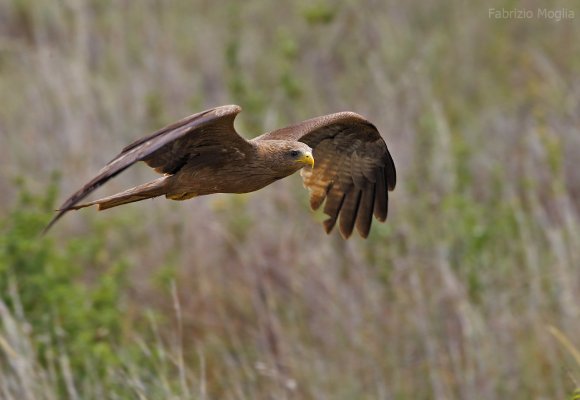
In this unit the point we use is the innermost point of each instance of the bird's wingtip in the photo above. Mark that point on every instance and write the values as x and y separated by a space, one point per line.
45 230
53 221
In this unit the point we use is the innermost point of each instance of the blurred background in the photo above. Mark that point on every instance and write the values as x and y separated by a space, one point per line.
469 291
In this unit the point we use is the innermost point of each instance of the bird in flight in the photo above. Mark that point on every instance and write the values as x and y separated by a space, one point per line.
342 159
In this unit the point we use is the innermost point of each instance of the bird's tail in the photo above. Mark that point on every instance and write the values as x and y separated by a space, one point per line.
146 191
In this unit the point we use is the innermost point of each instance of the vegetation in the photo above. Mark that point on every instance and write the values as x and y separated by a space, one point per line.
470 290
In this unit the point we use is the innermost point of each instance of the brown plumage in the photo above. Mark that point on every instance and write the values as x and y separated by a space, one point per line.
203 154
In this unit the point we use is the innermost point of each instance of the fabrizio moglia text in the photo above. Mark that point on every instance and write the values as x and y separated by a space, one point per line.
556 14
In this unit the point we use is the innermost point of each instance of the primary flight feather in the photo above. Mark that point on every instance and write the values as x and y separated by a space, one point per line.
203 154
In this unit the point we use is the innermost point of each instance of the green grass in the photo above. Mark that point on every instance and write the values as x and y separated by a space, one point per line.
470 290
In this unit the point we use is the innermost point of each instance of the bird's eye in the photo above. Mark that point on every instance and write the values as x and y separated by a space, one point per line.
294 153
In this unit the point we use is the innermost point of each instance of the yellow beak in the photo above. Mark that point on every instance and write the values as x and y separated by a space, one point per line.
307 159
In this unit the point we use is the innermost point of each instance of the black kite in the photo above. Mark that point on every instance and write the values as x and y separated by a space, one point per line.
203 154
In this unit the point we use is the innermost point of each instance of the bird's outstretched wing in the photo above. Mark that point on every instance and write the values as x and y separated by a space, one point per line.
168 149
353 169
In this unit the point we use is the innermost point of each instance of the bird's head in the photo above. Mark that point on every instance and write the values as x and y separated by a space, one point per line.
300 154
284 157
